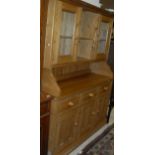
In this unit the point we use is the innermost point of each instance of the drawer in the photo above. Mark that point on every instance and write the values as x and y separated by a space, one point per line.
65 104
104 88
44 108
89 95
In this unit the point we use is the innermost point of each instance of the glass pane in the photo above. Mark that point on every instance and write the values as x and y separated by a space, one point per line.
85 48
67 27
65 46
66 33
101 46
103 31
103 36
89 21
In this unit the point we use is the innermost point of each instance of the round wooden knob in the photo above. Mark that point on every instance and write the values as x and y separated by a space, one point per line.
76 123
93 113
91 94
70 104
47 96
62 143
105 88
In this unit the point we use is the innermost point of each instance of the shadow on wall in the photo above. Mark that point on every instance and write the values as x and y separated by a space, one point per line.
93 2
107 4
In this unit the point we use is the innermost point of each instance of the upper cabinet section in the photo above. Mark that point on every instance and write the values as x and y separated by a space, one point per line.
66 31
78 34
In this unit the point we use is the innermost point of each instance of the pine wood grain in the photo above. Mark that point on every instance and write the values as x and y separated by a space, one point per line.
80 83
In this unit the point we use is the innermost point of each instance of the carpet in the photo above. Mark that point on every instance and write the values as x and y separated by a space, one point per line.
102 145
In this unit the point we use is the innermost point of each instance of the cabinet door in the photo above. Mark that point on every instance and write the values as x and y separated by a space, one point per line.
87 117
102 104
88 27
66 31
103 37
65 129
101 110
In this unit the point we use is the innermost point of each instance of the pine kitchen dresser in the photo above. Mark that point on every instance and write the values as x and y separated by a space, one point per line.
76 72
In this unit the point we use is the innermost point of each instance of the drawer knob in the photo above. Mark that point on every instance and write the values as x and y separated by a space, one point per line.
76 124
105 88
62 143
48 96
93 113
91 94
70 104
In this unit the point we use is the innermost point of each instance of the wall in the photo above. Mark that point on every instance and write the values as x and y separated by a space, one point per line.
106 3
94 2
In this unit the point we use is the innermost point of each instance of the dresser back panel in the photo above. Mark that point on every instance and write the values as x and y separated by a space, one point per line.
67 71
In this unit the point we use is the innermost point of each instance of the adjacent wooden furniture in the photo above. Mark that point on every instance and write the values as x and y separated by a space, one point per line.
43 20
45 99
44 122
75 72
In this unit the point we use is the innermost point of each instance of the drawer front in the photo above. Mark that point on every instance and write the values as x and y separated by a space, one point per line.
44 108
89 95
65 104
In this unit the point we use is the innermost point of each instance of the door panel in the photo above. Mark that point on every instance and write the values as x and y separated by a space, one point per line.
65 134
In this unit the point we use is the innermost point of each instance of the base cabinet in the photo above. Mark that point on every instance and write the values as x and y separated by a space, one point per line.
73 122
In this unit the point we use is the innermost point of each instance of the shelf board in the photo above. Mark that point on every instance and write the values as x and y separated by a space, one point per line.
66 37
102 40
85 38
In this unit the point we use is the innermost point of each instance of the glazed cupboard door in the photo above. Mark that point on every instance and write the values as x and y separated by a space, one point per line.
88 28
66 31
103 37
